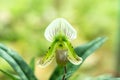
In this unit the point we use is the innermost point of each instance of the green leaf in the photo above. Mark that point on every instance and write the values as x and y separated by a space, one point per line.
17 63
14 64
32 64
82 51
105 77
12 76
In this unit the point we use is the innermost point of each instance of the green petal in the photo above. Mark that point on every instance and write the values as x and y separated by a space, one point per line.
48 58
74 59
72 56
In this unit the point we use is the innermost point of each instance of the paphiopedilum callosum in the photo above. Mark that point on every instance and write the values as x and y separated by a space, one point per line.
60 33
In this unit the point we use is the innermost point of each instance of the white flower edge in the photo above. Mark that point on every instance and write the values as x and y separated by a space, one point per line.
44 63
57 26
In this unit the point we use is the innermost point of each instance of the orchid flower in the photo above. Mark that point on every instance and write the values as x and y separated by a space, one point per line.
60 33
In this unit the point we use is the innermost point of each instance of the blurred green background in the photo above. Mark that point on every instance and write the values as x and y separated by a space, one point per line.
22 25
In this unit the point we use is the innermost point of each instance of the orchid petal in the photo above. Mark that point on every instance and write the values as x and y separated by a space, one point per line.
48 58
72 56
59 26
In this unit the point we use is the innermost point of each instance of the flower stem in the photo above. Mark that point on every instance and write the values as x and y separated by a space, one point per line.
65 71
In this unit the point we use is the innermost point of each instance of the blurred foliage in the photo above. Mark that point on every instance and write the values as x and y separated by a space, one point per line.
26 73
22 25
17 63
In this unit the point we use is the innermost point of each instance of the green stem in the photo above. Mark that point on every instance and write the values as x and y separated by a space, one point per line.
65 71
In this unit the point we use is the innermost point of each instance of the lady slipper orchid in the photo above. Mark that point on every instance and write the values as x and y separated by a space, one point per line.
60 33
